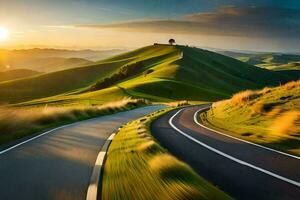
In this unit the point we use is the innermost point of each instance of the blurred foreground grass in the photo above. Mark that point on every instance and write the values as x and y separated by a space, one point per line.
17 122
138 168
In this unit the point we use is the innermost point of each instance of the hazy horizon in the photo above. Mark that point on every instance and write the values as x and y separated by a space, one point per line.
43 47
248 25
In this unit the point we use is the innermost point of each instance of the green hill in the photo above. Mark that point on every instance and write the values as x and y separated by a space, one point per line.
55 83
270 116
16 74
166 73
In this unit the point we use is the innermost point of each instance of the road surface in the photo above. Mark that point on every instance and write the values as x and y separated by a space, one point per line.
59 165
243 170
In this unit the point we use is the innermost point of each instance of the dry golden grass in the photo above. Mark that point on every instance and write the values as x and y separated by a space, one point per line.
178 103
258 108
292 84
266 90
243 97
269 116
286 125
219 103
149 146
16 122
274 112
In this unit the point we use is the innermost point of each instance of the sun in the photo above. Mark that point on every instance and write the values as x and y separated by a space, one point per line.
4 33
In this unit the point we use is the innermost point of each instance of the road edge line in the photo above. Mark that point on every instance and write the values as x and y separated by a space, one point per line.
239 139
33 138
282 178
97 173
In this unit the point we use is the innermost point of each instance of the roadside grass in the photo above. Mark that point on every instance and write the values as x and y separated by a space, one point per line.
290 126
138 168
179 103
243 96
16 123
270 116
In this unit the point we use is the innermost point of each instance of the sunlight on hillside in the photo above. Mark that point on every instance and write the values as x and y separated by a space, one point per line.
16 122
270 116
287 124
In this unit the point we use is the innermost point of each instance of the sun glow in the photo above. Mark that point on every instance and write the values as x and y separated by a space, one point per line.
4 33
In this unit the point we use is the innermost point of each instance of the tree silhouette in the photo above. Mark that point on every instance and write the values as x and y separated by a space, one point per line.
171 41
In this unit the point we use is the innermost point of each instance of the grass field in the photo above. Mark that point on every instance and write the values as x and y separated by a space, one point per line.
169 73
270 116
16 123
137 167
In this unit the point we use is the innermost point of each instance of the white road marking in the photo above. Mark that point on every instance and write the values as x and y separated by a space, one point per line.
33 138
99 164
228 156
267 148
111 137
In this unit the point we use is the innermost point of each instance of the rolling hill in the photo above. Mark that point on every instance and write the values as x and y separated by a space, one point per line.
166 73
50 60
53 64
16 74
54 83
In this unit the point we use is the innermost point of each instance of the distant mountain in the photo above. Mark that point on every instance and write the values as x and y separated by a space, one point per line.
52 64
158 73
49 60
272 61
16 74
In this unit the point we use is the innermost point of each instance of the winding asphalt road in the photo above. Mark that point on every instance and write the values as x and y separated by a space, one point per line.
59 164
243 170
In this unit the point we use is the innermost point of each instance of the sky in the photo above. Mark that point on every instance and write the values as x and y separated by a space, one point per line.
256 25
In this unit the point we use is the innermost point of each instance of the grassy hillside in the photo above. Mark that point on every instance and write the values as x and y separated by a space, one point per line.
168 73
50 84
270 116
16 74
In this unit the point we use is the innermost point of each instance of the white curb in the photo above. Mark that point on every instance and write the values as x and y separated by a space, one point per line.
98 170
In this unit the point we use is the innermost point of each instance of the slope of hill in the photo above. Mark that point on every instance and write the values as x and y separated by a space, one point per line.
54 83
270 116
149 55
16 74
53 64
168 73
49 60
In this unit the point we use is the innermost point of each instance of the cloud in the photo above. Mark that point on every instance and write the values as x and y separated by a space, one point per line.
226 21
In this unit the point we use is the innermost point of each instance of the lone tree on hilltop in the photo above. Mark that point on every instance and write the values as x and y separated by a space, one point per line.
171 41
